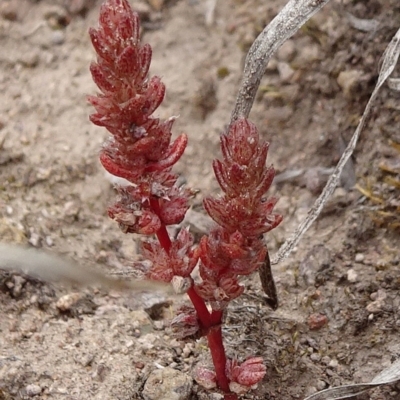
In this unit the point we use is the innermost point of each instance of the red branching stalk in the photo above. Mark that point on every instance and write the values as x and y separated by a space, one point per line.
140 150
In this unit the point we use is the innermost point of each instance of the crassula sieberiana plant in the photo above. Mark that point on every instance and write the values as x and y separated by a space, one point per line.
140 150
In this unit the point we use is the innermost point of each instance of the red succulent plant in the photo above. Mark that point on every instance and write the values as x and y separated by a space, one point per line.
141 151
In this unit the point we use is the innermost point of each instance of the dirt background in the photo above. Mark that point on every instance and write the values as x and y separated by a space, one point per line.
97 344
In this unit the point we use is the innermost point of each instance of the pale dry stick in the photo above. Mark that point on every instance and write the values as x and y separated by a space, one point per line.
289 20
50 267
390 58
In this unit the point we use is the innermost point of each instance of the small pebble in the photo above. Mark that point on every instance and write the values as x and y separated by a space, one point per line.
187 350
15 285
139 365
321 385
33 390
313 343
352 275
378 302
370 317
308 54
272 65
333 363
49 241
66 302
158 325
329 372
35 240
58 37
216 396
325 360
315 357
379 295
157 5
359 258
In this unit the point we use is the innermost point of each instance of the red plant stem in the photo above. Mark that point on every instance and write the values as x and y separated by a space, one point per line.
162 233
217 350
230 396
212 322
218 354
201 309
216 318
163 238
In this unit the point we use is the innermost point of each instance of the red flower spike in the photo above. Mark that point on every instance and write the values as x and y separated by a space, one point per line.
129 97
141 150
242 213
118 21
242 141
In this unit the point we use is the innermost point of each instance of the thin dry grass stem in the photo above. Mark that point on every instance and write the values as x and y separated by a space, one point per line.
390 58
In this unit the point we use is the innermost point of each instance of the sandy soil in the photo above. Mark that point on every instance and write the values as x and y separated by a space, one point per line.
95 344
